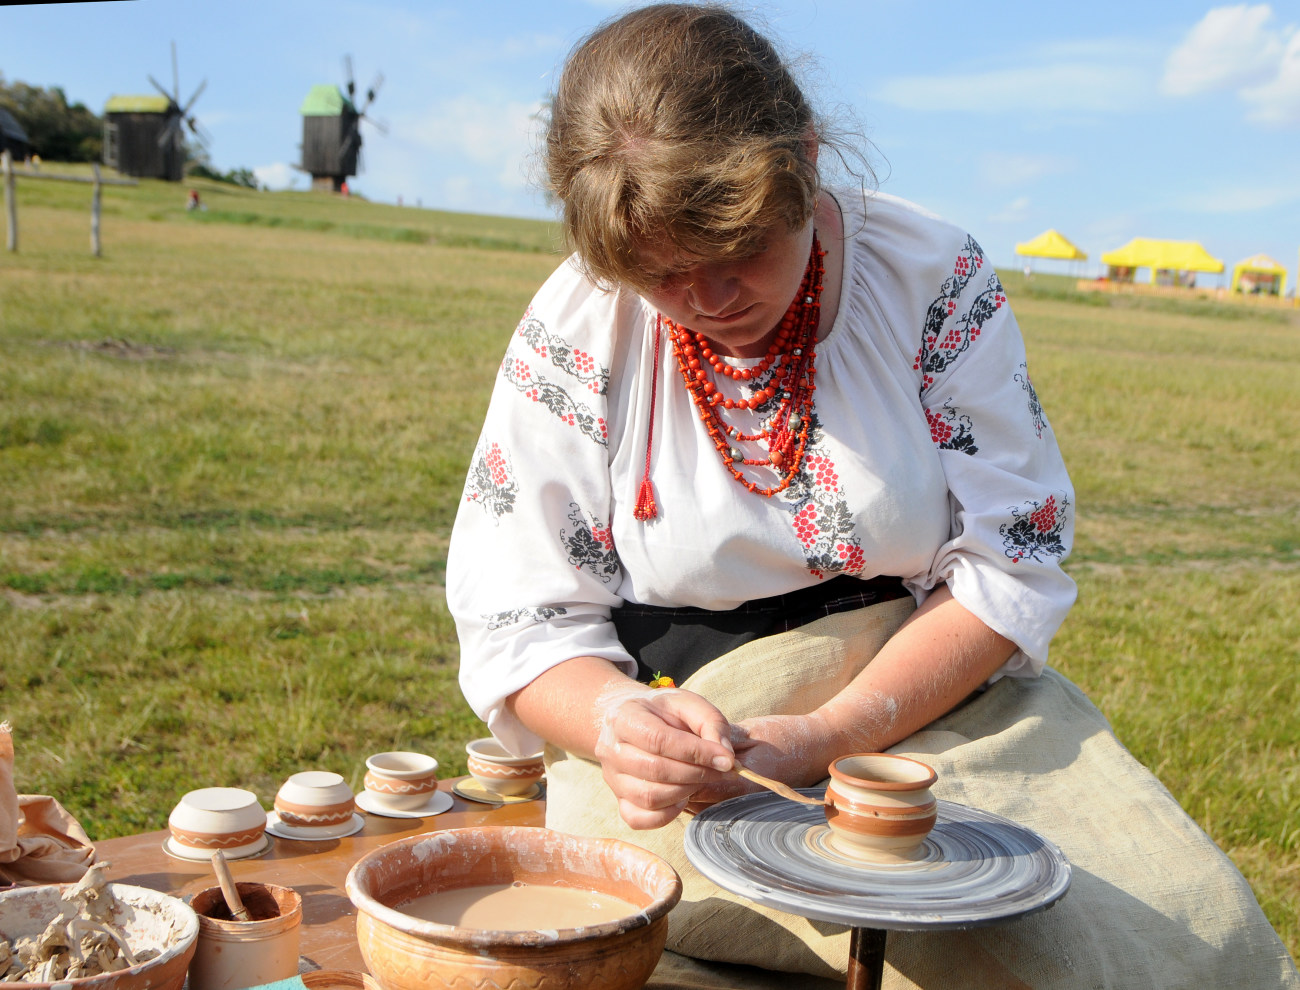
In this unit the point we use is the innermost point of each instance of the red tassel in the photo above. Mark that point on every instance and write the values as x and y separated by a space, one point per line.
645 507
645 501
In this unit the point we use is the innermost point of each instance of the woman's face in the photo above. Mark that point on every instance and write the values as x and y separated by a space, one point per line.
736 304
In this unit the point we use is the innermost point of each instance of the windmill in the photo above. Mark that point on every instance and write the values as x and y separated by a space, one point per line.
145 135
331 130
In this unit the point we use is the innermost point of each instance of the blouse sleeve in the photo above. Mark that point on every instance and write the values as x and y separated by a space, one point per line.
1010 498
531 569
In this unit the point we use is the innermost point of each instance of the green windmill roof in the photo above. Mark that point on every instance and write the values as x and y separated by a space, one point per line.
325 100
137 104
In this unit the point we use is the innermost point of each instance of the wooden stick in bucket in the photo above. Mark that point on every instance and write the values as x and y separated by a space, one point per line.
228 889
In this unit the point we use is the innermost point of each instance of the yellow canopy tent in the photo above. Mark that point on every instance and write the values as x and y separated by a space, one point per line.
1050 244
1259 273
1172 256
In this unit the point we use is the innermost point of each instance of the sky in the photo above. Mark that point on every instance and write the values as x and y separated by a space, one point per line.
1106 121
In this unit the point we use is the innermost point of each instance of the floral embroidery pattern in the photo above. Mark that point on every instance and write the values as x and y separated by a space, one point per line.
490 482
498 620
562 354
1036 532
590 547
520 374
940 346
950 431
822 519
1035 407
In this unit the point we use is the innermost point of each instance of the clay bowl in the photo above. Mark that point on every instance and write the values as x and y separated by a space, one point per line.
492 766
316 801
401 781
879 806
408 953
149 919
227 818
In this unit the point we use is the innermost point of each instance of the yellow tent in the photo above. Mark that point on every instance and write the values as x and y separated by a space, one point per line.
1050 244
1173 256
1259 273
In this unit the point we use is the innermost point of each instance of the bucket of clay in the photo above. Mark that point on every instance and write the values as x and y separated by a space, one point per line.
233 954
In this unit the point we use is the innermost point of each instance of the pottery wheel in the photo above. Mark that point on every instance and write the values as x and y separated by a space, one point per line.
975 868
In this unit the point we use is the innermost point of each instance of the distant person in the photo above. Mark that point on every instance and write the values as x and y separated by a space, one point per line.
776 440
193 202
343 189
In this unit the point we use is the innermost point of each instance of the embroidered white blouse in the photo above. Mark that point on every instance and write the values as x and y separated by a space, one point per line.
928 458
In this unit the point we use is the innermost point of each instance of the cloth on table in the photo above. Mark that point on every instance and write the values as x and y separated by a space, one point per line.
1153 901
40 842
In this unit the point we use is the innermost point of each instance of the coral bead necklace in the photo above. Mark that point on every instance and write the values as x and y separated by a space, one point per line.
784 376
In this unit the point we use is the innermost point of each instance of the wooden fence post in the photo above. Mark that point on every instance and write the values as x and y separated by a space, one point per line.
95 198
11 201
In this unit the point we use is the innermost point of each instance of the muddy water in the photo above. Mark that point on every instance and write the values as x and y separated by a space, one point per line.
518 907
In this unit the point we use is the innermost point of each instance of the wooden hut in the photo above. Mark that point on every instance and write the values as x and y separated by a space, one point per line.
135 141
13 138
331 137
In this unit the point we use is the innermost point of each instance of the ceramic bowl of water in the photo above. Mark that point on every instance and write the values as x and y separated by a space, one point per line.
489 906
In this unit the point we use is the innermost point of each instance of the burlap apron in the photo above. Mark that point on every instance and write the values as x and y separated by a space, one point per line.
1153 902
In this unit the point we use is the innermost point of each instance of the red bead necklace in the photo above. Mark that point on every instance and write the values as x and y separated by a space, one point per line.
785 373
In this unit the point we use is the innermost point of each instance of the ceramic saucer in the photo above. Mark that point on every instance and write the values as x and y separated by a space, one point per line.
278 828
438 802
174 849
471 790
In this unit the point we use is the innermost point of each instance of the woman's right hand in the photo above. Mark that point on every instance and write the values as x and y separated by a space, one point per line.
657 748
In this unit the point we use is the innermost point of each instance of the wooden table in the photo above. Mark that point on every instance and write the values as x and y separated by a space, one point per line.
316 870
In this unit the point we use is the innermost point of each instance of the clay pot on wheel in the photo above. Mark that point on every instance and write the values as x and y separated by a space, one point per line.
879 806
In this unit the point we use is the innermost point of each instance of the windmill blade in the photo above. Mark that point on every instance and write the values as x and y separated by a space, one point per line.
159 86
199 131
171 133
351 140
347 73
176 78
185 110
380 125
371 93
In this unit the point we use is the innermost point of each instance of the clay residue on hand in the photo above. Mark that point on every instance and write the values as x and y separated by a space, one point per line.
81 941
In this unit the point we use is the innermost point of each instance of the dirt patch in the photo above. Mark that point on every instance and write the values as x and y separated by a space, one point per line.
120 347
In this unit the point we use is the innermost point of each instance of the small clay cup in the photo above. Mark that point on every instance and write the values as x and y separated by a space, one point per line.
879 806
226 818
492 766
315 799
234 954
401 781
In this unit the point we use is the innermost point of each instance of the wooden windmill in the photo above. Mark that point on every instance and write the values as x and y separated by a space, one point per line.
331 131
145 135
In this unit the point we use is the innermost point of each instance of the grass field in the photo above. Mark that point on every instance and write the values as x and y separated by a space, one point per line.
231 449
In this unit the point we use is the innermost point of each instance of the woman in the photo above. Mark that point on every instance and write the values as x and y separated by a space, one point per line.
746 402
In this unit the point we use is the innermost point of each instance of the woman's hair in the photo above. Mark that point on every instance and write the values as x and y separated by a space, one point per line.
679 124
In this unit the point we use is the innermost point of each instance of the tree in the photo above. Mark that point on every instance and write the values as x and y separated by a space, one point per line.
57 130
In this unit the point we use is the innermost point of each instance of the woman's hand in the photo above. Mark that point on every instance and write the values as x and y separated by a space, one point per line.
658 748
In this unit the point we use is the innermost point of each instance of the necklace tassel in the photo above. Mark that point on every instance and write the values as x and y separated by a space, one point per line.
645 501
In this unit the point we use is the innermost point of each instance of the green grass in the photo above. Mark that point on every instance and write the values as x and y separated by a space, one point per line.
231 449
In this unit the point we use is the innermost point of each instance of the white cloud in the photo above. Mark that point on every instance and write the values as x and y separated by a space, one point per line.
279 175
1242 199
1229 47
496 136
1278 101
1007 169
1017 211
1082 85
